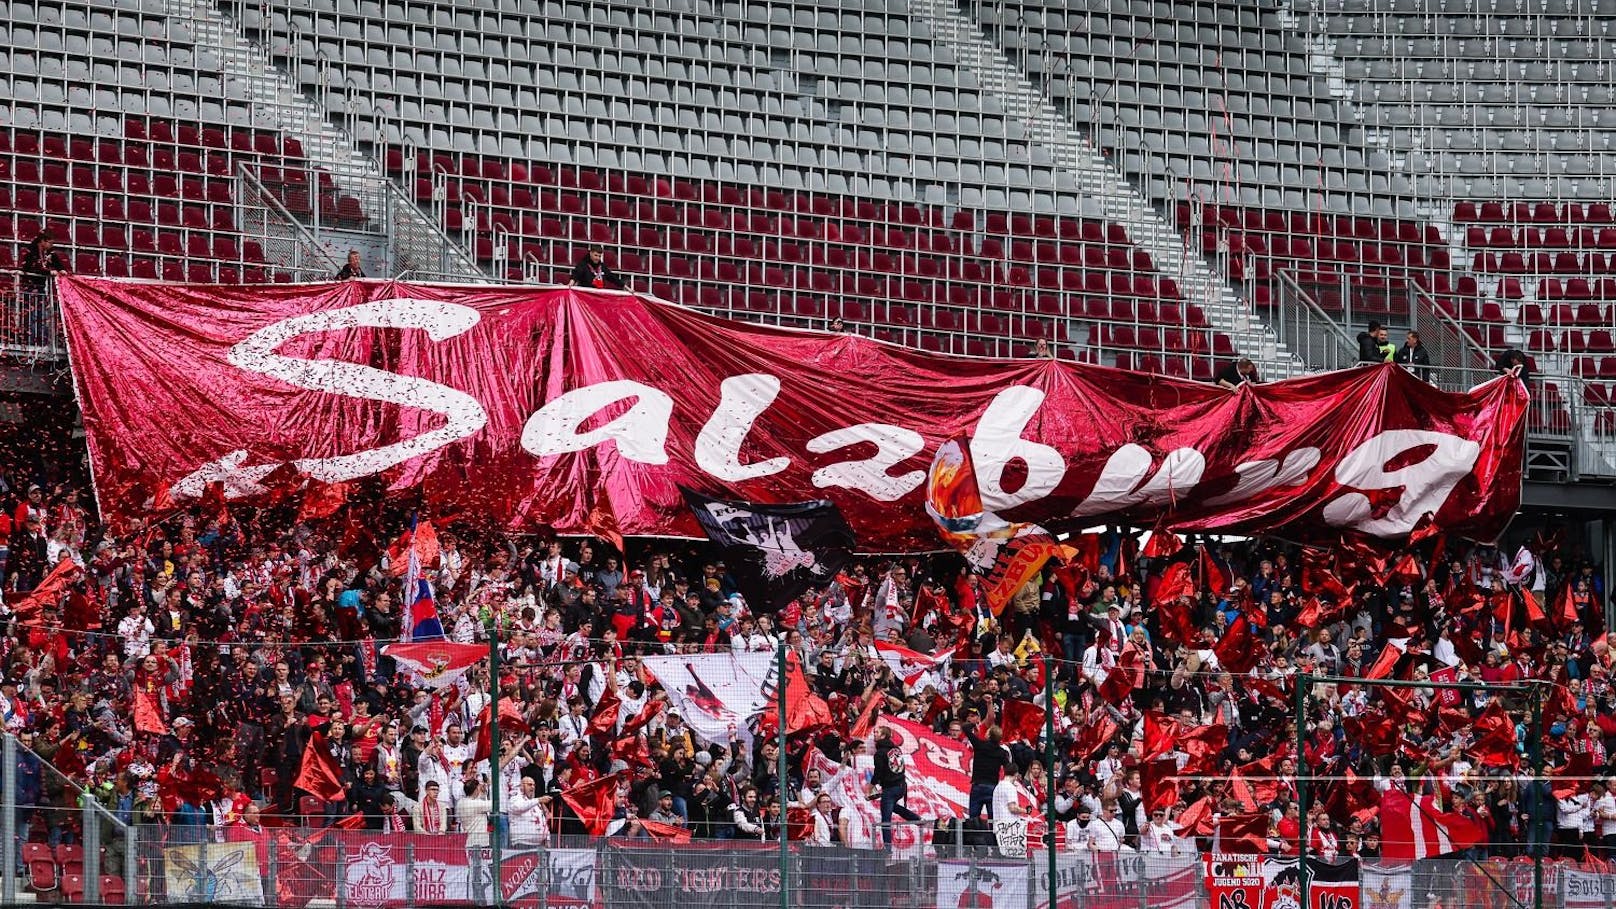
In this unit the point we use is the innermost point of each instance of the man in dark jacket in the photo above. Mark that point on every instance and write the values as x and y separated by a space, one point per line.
893 779
592 271
1373 346
1415 358
988 760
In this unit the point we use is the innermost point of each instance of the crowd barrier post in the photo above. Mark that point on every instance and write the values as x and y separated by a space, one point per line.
8 819
496 776
1304 782
91 825
1050 786
409 874
131 865
341 894
544 877
782 775
1536 751
271 874
199 870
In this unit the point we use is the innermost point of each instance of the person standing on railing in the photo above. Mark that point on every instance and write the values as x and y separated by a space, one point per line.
1414 357
1373 346
40 264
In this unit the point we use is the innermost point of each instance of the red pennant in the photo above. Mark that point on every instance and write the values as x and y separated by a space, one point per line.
1123 677
1534 612
510 718
319 775
637 722
1160 734
1565 606
1386 662
1161 545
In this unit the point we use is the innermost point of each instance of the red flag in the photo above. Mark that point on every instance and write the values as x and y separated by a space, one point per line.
1177 625
1447 697
633 751
1565 606
637 722
926 602
1240 791
510 718
1159 781
1495 737
1123 677
1215 576
1174 582
665 833
48 592
1095 735
319 775
1572 777
594 802
1534 611
322 500
148 714
1238 650
1161 732
1161 545
1204 743
1243 834
604 719
866 717
804 708
1022 721
1196 820
1387 661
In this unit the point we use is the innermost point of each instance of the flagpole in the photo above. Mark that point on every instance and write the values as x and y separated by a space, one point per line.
780 770
1303 783
498 896
1049 775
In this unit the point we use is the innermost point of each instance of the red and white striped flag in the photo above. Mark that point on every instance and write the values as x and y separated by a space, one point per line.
912 665
1415 828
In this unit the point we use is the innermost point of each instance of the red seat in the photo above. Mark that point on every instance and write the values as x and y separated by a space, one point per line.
113 892
71 857
41 865
73 888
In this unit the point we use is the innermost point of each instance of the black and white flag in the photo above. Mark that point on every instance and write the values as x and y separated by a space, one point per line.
776 552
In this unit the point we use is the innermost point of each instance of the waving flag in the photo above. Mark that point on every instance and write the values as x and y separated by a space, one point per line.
718 694
438 664
939 768
776 551
1415 829
912 665
421 622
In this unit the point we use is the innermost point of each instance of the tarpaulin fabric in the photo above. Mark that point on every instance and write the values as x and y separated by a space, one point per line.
584 411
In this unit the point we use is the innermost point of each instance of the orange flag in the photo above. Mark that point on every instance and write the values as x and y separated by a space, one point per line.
665 833
148 715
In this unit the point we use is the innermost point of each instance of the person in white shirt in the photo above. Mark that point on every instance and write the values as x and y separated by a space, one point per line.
1604 812
432 770
457 753
574 728
825 831
471 813
136 631
1571 816
1010 798
1106 831
1157 835
528 816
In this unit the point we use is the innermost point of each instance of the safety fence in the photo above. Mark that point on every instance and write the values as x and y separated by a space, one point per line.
178 864
29 324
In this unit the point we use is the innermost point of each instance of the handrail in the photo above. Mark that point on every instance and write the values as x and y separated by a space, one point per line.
1317 339
453 259
1448 324
310 244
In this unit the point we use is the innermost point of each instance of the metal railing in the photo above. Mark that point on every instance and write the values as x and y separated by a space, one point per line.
286 242
1319 340
30 322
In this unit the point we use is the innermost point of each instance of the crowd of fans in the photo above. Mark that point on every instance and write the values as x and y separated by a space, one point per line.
256 635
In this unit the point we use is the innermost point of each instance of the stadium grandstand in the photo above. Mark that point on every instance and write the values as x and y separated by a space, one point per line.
1318 299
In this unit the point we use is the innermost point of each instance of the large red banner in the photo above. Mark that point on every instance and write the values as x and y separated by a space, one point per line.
584 411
